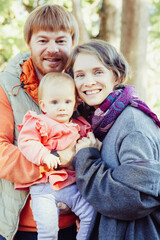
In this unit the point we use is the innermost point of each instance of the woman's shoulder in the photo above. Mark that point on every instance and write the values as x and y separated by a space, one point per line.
133 119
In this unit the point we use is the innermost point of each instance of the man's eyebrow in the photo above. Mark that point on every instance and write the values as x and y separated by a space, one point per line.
41 36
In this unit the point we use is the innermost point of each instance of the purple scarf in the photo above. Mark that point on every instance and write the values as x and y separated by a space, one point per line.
104 116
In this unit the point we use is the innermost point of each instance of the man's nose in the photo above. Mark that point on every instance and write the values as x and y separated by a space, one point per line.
52 47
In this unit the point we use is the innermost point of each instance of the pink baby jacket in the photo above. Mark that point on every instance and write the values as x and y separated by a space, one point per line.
39 135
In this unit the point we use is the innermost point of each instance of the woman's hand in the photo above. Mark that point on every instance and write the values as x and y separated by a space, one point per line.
89 141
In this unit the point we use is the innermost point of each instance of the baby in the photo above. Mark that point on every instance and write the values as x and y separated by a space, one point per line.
41 136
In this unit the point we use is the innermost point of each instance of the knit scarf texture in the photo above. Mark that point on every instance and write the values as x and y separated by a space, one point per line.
29 80
104 117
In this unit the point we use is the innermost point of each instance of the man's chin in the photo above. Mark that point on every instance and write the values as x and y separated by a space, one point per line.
56 69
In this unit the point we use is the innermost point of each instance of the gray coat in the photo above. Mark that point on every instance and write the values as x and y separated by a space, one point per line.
123 182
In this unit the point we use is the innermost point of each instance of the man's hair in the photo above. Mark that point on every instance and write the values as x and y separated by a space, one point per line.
55 78
106 53
51 18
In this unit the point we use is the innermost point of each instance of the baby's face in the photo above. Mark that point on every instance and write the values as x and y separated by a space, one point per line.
59 102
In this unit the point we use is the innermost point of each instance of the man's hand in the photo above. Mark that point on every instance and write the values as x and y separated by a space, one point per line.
64 209
67 155
52 161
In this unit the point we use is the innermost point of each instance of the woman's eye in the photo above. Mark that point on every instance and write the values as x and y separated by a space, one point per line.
98 72
80 75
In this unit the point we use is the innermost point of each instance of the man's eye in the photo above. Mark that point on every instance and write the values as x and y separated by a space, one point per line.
42 41
62 41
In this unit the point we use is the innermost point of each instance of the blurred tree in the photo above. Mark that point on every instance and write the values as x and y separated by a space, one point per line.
97 19
110 21
10 23
153 56
77 11
135 21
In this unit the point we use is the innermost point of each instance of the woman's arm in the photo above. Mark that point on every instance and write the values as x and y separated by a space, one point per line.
127 192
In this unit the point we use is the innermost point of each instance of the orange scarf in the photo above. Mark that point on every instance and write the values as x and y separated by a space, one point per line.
29 80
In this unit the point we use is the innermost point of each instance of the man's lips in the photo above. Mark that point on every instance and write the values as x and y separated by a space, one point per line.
52 60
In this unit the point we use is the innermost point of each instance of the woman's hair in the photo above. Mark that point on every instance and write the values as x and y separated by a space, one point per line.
51 18
106 53
55 78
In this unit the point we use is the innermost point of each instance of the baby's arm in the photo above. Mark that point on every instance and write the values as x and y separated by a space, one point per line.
29 143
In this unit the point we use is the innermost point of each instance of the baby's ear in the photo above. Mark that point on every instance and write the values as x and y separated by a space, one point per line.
42 106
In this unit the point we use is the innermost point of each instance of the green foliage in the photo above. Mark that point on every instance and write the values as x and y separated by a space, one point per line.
155 20
11 22
153 57
13 14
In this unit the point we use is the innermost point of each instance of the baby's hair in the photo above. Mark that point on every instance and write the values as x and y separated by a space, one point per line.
53 77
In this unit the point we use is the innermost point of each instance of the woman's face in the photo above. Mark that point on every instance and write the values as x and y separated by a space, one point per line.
94 82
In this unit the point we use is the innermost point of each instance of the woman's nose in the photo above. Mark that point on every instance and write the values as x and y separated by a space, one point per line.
89 81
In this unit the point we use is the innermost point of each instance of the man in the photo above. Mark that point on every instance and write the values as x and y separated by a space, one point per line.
50 33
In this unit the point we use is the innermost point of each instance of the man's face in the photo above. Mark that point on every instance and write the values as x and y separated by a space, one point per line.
50 51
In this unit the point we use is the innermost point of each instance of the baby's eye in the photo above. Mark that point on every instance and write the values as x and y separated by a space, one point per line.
54 102
68 101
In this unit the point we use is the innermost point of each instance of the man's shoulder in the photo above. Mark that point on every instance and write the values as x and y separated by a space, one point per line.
18 60
14 65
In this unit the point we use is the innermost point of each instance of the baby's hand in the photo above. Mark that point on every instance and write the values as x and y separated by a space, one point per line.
52 161
89 141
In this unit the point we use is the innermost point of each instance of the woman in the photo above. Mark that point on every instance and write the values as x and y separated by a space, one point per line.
123 181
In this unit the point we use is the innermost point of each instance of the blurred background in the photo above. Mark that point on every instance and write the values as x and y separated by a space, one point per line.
132 26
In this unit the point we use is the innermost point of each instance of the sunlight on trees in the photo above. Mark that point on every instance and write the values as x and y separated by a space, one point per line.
13 14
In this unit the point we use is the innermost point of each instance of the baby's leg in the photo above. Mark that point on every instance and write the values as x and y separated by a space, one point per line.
44 211
72 197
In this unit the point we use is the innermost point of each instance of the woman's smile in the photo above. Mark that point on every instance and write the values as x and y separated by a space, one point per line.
92 92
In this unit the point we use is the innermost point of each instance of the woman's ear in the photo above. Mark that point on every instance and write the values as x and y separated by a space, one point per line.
78 101
42 106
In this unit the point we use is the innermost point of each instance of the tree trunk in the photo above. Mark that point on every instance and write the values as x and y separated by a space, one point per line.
110 21
83 34
135 19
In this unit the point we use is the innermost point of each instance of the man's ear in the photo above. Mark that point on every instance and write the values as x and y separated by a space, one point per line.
28 45
42 106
